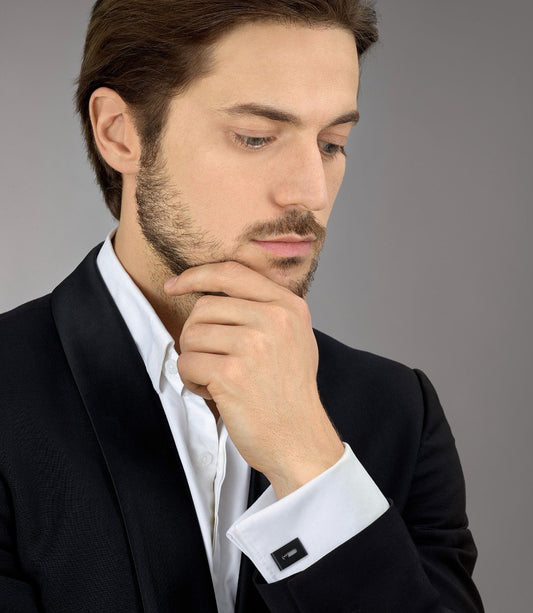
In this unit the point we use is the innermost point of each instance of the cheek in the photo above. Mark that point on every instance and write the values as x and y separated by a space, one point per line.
222 191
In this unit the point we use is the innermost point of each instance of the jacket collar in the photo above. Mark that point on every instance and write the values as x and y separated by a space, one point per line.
152 339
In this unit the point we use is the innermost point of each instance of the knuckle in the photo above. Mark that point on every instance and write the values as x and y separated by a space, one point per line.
234 369
185 343
258 341
302 308
276 311
189 334
183 365
192 331
280 316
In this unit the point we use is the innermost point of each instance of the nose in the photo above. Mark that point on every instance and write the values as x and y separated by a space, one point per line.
302 179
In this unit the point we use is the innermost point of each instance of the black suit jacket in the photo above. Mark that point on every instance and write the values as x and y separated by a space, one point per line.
96 513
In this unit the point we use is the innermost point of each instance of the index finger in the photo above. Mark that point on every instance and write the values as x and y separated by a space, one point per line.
231 278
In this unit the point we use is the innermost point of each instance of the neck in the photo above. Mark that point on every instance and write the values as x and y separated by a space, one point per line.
148 273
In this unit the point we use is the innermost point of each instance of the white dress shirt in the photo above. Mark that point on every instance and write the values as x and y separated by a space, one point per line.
323 513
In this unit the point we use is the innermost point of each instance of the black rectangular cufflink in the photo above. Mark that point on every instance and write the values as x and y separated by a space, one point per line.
289 553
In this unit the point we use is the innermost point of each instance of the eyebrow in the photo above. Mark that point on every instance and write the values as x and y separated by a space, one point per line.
274 114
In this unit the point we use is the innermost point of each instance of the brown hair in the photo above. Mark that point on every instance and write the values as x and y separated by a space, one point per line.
149 51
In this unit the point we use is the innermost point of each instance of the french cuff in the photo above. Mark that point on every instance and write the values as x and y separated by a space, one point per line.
283 537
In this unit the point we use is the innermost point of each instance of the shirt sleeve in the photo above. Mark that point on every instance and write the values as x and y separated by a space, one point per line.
283 537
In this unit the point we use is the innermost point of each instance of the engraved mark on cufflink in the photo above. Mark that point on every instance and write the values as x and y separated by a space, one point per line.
289 554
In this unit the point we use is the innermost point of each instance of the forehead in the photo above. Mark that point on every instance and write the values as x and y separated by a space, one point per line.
261 43
311 69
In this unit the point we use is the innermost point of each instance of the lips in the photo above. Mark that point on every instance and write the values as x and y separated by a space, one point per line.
289 247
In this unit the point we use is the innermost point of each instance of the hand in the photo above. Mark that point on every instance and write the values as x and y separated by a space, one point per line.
254 353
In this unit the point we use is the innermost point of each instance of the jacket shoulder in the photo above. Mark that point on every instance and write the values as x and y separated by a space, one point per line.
29 345
340 359
25 324
364 389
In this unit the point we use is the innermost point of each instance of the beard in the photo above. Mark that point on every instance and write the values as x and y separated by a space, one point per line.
178 244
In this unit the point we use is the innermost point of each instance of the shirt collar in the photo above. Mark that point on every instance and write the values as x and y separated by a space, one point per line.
154 342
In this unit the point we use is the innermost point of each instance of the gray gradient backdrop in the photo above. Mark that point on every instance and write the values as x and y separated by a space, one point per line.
429 247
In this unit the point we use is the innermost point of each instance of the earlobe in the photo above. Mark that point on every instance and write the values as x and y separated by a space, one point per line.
114 132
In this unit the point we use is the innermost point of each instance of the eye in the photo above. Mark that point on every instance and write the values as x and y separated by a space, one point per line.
259 142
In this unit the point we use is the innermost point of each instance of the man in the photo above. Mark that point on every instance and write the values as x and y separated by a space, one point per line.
175 435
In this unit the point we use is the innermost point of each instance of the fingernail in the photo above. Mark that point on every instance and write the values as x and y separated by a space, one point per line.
170 283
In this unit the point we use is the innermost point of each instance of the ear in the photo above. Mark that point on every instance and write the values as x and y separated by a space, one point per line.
114 131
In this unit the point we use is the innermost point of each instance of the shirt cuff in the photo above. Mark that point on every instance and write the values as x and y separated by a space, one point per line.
309 522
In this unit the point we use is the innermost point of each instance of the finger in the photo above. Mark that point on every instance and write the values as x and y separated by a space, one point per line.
214 339
201 370
227 310
232 278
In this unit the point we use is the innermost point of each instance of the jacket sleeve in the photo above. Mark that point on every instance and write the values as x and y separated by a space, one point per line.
419 560
327 510
17 595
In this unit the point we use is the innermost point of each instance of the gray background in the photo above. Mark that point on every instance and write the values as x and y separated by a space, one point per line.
429 252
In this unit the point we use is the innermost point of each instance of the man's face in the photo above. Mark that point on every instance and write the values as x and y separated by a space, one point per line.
209 195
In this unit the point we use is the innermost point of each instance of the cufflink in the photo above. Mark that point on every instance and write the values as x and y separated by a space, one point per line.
289 554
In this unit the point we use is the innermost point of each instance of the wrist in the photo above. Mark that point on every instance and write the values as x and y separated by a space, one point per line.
295 476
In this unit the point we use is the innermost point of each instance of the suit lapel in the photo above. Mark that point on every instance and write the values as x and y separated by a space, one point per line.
130 424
